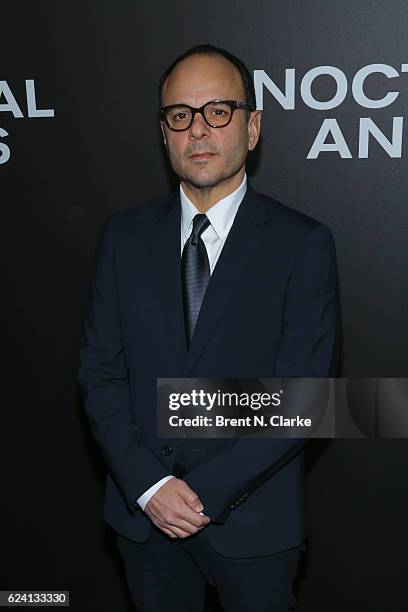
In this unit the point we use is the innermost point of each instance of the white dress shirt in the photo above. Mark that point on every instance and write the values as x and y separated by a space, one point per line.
221 217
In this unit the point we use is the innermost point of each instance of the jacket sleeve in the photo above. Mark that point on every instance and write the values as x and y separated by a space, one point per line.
103 378
308 348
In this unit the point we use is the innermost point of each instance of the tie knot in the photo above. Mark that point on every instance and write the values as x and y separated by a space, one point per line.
200 223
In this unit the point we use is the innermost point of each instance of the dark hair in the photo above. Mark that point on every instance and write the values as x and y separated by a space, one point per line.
211 50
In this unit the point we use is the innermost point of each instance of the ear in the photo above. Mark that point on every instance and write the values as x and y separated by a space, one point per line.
254 129
163 134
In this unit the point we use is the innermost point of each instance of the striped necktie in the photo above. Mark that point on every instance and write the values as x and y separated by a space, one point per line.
195 272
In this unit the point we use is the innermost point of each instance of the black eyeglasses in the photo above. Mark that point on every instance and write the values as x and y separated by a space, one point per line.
217 113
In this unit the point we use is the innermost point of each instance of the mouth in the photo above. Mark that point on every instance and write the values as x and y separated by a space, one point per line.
203 156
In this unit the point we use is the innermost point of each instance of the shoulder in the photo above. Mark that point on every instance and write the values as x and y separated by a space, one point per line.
292 223
142 214
277 211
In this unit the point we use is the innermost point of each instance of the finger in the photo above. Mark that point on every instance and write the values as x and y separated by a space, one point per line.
181 510
191 498
179 532
172 530
194 518
180 523
168 532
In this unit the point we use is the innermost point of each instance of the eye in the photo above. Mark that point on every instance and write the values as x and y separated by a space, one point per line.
219 112
180 116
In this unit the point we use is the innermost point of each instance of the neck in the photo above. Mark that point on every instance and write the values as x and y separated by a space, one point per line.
205 197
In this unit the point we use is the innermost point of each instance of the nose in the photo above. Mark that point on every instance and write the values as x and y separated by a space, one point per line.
199 128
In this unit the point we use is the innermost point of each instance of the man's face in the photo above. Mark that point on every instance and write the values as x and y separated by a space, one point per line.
203 156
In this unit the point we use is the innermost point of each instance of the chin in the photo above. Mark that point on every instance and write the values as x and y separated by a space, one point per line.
203 180
201 183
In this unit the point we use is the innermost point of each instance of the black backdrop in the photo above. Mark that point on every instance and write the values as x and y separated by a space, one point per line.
96 65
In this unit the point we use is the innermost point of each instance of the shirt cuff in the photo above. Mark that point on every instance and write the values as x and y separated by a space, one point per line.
143 499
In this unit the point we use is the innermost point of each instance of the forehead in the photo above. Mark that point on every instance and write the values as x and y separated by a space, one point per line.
200 78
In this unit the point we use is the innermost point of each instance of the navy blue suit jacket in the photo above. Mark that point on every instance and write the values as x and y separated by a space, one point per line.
270 310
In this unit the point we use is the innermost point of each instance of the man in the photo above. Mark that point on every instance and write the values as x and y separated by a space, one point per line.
215 280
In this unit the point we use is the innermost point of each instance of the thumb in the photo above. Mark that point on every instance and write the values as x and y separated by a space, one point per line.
192 499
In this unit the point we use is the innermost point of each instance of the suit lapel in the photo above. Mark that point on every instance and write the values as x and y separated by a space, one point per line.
164 244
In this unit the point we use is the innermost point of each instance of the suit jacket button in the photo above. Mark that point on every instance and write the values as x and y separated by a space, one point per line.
167 450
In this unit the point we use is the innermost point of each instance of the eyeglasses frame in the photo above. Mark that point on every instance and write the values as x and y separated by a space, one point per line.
233 104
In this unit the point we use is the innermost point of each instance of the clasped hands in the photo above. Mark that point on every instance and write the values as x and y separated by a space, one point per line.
175 509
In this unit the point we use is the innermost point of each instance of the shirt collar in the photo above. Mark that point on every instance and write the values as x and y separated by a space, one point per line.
221 215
